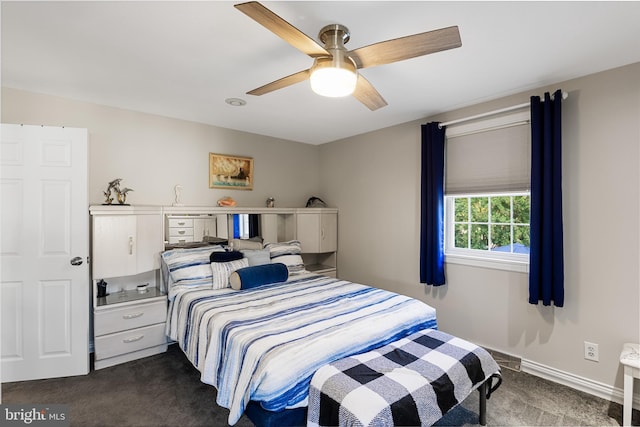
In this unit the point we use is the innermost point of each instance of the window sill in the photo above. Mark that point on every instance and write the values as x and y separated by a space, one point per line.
483 262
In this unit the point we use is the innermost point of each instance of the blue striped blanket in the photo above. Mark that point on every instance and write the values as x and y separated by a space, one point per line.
264 344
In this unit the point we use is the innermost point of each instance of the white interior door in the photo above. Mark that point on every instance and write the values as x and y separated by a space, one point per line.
44 244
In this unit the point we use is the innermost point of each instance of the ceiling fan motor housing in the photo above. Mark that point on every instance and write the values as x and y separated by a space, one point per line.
334 36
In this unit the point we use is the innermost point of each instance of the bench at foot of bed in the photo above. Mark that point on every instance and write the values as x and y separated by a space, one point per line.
412 381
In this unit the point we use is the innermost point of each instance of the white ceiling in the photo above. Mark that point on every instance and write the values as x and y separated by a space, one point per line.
183 59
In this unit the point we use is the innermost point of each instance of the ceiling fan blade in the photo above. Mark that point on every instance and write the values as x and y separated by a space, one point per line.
368 95
282 28
281 83
406 47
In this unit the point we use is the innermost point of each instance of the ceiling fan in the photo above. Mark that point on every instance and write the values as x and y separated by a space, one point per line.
334 70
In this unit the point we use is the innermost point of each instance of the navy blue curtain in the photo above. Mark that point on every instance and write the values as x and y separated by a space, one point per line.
236 226
432 206
546 262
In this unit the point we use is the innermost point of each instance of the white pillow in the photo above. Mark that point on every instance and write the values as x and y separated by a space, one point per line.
257 257
190 267
287 253
240 244
221 271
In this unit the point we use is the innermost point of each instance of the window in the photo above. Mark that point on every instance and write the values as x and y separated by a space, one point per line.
487 173
489 226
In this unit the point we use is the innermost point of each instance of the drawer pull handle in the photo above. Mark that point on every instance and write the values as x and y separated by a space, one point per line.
132 339
181 223
181 231
133 315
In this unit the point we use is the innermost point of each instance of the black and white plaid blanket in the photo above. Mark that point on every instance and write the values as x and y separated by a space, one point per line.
412 381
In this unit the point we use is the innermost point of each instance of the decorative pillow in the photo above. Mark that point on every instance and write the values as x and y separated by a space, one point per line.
251 277
222 270
190 267
225 256
287 253
240 244
257 257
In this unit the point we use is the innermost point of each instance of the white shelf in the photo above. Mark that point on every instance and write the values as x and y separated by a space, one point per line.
131 295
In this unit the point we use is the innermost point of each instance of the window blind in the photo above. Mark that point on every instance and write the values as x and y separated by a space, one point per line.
489 161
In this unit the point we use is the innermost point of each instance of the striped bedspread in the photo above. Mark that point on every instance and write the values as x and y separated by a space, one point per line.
265 344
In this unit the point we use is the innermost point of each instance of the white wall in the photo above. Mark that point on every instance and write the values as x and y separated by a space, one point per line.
375 181
152 154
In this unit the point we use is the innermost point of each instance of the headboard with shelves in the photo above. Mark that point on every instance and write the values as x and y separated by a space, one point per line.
188 226
316 228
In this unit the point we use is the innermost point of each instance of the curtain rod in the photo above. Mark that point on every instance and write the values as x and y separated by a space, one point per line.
565 95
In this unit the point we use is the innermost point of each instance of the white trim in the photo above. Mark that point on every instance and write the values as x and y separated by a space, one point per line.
486 262
595 388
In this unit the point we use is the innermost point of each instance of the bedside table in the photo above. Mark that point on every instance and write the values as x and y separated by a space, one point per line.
129 325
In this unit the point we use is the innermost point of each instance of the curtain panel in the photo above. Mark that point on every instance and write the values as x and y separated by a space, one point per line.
432 205
546 262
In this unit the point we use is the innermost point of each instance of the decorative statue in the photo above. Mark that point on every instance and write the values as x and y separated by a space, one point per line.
178 190
121 194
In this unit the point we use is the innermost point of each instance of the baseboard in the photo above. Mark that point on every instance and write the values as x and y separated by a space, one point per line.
595 388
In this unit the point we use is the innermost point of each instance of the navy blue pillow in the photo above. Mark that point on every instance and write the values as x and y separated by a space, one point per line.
258 275
225 256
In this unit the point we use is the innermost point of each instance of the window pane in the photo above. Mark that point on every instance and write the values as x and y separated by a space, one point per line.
521 209
501 209
521 234
462 210
479 236
501 237
479 209
462 236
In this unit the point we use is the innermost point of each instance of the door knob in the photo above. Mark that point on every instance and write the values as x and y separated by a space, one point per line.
76 260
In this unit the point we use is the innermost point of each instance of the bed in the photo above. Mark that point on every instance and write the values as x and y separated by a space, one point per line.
263 344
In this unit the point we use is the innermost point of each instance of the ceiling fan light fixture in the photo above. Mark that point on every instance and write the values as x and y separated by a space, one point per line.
333 77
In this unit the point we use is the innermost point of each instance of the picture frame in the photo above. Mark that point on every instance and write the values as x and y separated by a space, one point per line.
230 172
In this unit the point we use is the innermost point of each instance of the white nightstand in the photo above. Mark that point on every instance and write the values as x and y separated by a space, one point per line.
129 325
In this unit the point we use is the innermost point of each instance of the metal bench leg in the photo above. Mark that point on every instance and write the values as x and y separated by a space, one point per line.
483 403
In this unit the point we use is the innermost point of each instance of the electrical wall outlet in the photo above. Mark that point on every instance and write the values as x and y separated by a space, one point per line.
591 351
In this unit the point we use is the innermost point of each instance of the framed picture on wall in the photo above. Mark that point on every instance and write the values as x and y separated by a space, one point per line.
230 172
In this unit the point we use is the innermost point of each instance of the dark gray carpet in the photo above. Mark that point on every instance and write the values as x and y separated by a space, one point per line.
165 390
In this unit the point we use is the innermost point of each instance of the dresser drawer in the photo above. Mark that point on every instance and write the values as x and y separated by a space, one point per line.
181 222
129 341
130 317
180 232
176 239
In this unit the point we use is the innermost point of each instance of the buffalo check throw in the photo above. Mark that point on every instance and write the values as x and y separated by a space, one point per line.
413 381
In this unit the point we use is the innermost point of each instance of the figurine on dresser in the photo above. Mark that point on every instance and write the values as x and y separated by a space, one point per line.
121 194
